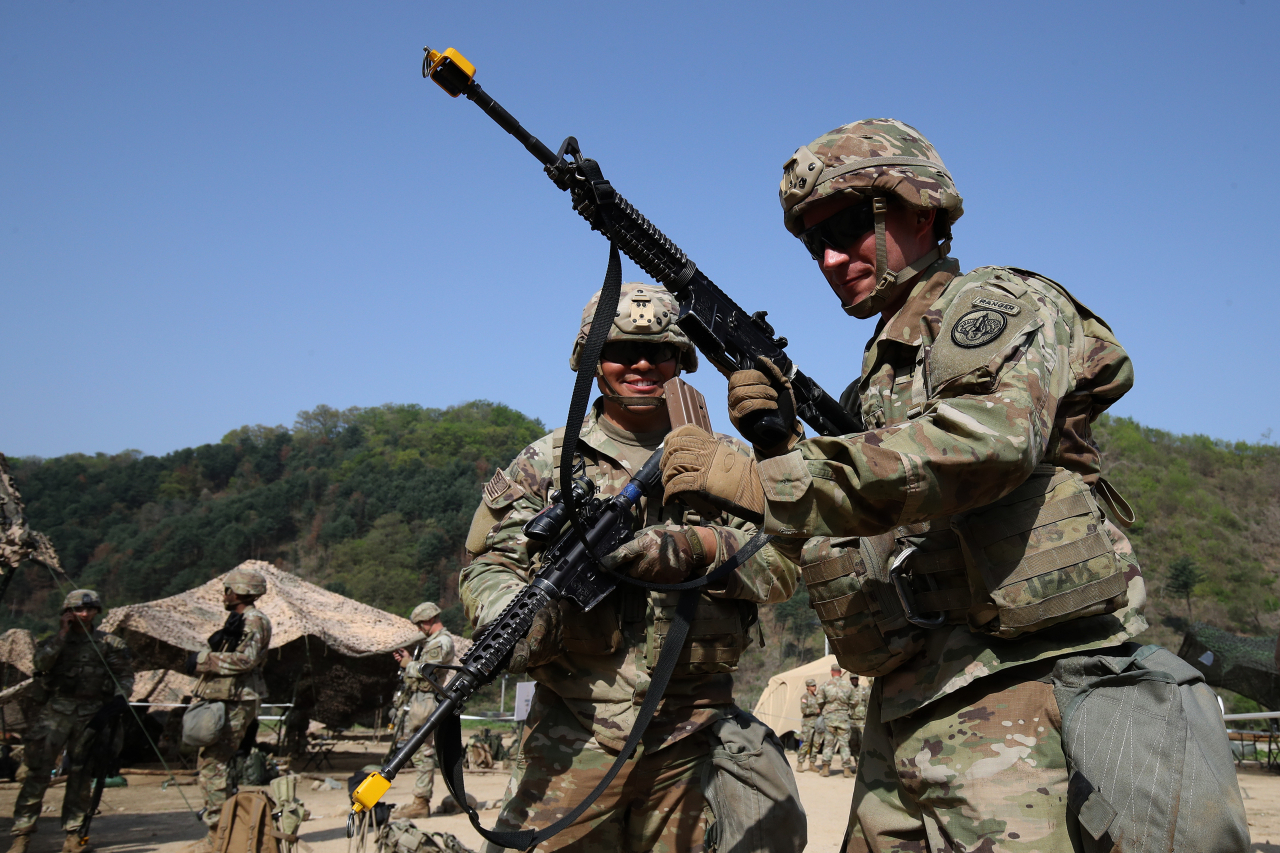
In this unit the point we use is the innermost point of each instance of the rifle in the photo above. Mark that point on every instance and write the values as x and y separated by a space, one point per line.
730 338
102 759
568 571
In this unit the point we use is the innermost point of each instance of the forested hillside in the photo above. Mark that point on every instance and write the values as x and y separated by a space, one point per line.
372 503
375 503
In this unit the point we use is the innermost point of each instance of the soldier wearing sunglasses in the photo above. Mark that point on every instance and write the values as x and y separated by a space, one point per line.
977 539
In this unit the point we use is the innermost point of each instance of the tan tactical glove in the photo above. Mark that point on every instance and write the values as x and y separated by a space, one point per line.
761 392
703 471
541 645
660 555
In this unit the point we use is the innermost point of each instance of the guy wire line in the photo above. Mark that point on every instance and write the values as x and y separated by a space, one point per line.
132 710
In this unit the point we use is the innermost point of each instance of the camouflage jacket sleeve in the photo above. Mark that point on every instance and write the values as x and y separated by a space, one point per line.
46 654
986 421
249 654
120 661
768 577
504 555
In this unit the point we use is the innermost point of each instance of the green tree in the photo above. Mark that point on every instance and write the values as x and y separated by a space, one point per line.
1184 576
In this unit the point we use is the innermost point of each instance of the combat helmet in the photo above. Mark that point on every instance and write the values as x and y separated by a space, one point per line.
810 682
875 158
244 581
424 612
81 598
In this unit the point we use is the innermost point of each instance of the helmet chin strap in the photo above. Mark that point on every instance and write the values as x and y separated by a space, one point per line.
613 396
887 281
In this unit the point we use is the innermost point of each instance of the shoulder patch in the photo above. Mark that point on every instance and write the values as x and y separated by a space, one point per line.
977 327
501 490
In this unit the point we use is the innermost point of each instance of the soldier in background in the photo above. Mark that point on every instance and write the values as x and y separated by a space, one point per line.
86 678
858 719
593 668
436 649
230 669
810 712
835 698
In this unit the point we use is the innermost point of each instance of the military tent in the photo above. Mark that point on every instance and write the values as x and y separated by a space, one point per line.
779 705
329 654
1246 665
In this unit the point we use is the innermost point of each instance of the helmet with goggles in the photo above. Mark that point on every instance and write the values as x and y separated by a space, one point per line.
646 315
875 160
81 598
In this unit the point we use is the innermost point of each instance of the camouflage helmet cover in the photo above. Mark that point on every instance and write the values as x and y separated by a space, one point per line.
424 612
646 313
245 582
880 156
810 682
81 598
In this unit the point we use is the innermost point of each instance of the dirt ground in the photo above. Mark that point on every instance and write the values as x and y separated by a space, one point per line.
148 818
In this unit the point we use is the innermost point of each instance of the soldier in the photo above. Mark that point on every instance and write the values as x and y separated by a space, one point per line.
836 701
593 668
988 545
436 649
230 669
85 679
858 717
810 712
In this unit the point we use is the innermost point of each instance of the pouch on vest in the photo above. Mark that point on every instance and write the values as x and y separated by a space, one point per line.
203 722
751 790
850 590
1149 760
1040 556
717 633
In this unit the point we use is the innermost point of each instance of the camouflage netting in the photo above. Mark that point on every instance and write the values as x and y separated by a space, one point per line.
1245 665
329 654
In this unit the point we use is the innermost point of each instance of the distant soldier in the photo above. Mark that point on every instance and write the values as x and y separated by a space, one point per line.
230 669
810 712
836 700
435 650
86 678
861 696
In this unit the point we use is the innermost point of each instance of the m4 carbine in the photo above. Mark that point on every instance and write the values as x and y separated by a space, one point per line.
568 571
729 337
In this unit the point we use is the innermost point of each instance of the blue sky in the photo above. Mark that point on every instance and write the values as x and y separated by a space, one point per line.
220 214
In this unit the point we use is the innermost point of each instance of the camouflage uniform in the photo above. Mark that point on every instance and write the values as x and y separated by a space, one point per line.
588 696
436 649
80 674
858 718
810 711
967 391
235 678
836 699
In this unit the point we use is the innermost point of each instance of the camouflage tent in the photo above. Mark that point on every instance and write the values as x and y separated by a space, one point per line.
329 654
1245 665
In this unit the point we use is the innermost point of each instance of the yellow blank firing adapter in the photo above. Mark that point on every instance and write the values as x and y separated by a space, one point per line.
367 794
451 70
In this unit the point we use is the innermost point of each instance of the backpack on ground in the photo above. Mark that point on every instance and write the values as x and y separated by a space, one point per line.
1149 760
248 826
290 811
401 836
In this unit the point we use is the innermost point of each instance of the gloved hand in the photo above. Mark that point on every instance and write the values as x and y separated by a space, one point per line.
541 645
660 554
758 393
703 471
193 658
116 706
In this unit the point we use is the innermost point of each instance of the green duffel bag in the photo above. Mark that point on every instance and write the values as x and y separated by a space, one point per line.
1149 760
203 722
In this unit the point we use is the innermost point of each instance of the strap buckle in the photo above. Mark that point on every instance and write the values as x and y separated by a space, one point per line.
898 573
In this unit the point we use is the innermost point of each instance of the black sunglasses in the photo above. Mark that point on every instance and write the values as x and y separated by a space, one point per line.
840 230
633 352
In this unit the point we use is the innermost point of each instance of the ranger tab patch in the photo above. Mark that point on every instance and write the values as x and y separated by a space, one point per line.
978 327
1005 307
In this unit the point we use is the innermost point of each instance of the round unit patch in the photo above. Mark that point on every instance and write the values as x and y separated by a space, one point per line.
977 328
